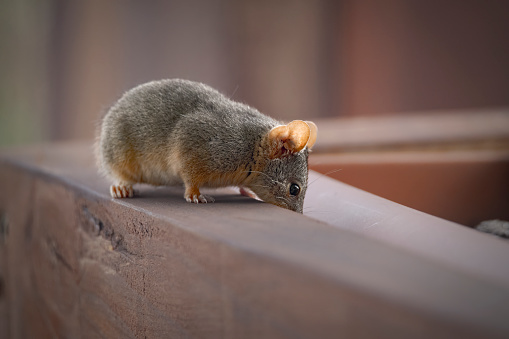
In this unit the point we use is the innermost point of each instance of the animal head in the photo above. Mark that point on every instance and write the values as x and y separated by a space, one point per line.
284 177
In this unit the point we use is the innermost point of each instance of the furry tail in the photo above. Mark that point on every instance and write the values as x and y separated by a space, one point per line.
498 228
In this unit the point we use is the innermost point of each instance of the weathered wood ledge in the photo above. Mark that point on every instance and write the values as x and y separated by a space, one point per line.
75 263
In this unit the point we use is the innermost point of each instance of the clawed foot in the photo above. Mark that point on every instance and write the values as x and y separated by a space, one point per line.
199 198
121 191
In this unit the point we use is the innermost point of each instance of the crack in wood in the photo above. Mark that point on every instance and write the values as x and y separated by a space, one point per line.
96 224
97 227
53 247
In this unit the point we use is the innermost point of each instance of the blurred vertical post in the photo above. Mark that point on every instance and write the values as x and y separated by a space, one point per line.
25 29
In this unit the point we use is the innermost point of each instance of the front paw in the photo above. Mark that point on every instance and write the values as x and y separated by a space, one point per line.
248 193
199 198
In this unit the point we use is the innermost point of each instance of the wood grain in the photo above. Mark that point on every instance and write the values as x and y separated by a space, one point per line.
77 264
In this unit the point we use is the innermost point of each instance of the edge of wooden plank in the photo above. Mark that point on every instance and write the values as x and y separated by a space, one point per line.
373 271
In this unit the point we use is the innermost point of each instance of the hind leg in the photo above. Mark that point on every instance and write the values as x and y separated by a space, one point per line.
122 190
123 178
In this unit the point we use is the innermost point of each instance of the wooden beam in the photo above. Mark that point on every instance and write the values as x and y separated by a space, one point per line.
75 263
424 130
464 186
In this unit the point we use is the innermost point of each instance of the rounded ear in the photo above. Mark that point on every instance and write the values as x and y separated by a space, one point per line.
313 134
299 135
289 138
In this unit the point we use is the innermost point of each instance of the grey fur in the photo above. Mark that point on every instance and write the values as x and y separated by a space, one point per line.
499 228
273 185
153 122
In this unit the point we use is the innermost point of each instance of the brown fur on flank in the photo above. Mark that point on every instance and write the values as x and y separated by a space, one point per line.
174 132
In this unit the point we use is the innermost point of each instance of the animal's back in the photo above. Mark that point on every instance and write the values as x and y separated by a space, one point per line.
146 115
147 130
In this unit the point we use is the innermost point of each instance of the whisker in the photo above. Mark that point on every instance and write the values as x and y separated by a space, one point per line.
284 199
266 176
234 91
261 186
316 212
259 173
324 175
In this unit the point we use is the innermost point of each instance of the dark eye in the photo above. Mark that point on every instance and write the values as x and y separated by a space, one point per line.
294 189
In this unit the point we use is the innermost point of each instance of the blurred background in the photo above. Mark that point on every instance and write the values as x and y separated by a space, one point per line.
63 63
